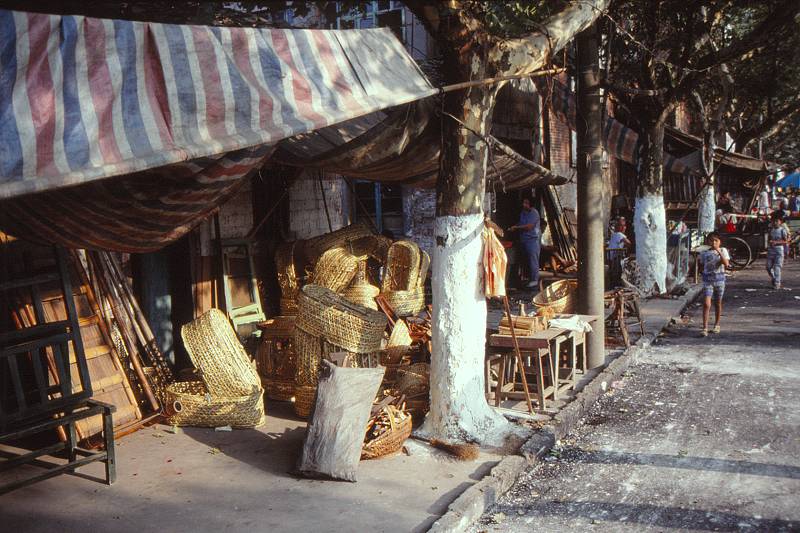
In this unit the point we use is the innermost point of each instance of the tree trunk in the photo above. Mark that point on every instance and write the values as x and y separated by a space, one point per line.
459 411
706 209
649 217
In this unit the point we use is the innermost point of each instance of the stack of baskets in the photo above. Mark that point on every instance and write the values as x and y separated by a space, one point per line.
327 323
404 281
560 297
230 393
275 357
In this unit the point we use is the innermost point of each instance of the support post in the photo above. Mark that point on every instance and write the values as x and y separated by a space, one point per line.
378 208
591 278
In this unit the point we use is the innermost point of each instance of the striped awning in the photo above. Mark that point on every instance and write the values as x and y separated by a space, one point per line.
83 100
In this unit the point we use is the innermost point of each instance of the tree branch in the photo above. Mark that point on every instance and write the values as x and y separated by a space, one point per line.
773 125
530 53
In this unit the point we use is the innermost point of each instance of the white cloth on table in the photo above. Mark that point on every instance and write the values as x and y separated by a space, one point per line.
573 323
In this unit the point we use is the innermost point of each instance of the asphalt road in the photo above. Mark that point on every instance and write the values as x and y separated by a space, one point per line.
701 434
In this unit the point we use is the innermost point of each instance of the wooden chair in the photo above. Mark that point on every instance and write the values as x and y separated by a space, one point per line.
38 392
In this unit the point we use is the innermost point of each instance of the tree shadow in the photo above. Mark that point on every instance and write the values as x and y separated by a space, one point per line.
579 456
658 516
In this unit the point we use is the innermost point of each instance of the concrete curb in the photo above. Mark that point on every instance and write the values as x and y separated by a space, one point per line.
474 501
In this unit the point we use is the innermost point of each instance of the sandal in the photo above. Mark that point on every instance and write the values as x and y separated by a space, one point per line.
716 329
704 332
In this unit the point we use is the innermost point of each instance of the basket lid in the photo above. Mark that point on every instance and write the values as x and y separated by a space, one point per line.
218 355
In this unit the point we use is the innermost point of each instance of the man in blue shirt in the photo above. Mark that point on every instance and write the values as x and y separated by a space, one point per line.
530 238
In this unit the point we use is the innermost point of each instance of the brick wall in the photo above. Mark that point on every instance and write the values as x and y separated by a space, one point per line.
307 212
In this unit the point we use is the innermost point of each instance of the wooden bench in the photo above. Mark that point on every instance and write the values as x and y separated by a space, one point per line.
38 392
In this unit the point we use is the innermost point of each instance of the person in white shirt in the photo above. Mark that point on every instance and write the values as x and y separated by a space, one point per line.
764 205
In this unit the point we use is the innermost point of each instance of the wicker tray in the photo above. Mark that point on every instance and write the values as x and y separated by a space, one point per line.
190 404
327 315
560 297
413 380
389 442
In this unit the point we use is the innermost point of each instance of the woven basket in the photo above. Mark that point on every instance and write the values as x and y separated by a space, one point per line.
308 355
191 404
287 277
413 380
316 246
327 315
361 291
275 357
406 303
402 267
305 397
280 390
218 356
389 442
560 297
336 269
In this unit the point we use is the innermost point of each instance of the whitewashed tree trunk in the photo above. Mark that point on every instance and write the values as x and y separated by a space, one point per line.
649 217
706 209
459 411
649 223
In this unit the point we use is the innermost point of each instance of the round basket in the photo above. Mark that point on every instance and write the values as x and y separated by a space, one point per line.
280 390
327 315
406 303
559 297
389 442
304 398
190 404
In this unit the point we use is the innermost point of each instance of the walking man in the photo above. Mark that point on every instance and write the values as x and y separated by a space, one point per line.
530 237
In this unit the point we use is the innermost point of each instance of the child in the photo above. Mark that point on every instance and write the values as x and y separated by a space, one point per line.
778 239
715 261
617 245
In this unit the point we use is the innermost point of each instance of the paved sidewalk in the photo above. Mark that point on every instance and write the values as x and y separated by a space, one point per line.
702 433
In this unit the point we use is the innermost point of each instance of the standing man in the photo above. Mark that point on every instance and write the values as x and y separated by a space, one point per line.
530 238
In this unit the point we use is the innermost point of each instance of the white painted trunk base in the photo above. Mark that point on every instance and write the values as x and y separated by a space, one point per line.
459 411
706 210
650 225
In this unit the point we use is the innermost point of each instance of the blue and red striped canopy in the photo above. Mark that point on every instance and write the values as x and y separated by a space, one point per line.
83 99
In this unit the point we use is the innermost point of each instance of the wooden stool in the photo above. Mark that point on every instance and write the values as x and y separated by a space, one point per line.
622 301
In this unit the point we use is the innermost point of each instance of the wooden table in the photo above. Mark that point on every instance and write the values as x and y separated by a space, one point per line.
538 349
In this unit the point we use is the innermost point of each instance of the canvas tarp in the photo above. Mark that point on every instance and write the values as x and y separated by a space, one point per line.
176 115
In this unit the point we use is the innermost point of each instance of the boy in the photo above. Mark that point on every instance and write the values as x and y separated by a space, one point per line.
778 239
715 261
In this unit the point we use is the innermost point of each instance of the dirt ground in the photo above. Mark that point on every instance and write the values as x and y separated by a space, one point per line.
701 434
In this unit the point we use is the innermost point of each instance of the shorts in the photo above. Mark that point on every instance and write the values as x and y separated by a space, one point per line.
714 288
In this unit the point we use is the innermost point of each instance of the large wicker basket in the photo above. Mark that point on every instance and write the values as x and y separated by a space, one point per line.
316 246
336 269
276 358
402 267
308 352
190 404
329 316
389 442
560 297
230 393
218 355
